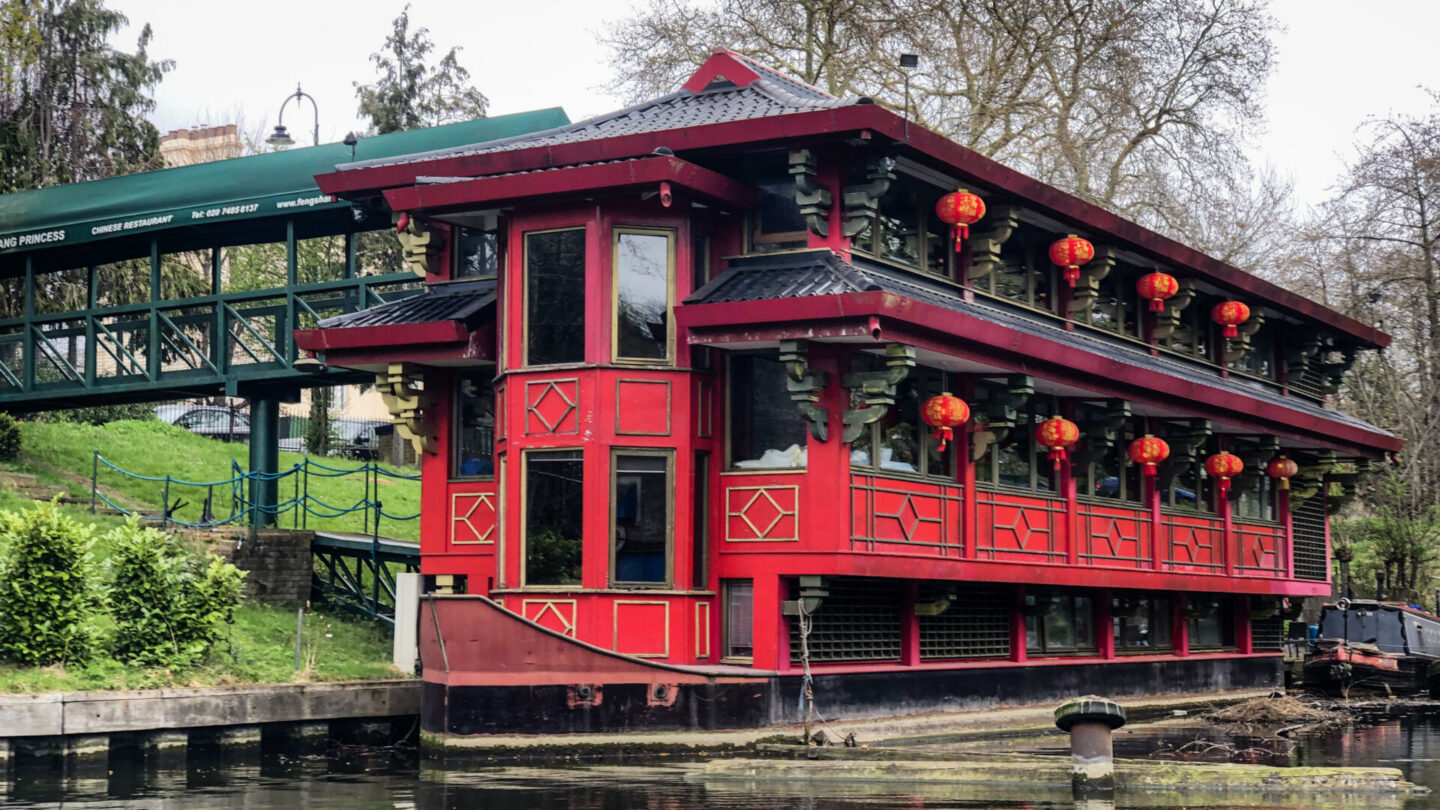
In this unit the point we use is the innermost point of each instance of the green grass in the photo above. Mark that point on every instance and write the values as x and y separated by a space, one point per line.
155 449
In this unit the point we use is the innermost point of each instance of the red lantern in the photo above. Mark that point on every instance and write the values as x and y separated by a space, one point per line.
1148 451
1230 314
1070 253
1058 434
1222 467
1157 288
1282 468
945 413
960 209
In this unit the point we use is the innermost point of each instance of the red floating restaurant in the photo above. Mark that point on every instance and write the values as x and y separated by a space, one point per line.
748 382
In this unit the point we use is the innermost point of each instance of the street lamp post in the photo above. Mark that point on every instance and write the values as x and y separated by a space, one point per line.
280 137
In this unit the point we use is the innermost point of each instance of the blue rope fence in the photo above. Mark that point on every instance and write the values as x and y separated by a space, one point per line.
301 505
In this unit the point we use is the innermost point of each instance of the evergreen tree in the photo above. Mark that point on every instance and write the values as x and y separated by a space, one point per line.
408 92
72 106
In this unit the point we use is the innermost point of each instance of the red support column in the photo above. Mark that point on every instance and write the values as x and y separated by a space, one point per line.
965 470
909 624
772 636
1230 542
1104 625
1244 641
1180 629
1152 501
1287 528
1017 625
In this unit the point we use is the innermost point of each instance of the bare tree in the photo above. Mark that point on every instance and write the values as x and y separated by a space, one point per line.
1141 107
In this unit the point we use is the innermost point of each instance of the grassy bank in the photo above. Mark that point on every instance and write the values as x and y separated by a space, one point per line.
63 454
261 644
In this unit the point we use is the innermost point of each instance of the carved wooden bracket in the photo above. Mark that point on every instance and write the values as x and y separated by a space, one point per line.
1237 347
1101 430
1334 364
1187 444
1302 353
1001 413
1309 481
1255 460
875 389
418 243
1087 287
1000 224
812 197
402 389
862 201
1167 321
805 385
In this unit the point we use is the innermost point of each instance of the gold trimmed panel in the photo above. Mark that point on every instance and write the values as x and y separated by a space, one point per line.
620 404
552 607
702 630
486 499
761 513
615 629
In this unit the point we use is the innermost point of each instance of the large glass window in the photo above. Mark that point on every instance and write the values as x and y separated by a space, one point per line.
1016 460
776 223
1059 623
644 279
554 516
640 534
477 253
1212 622
900 441
1116 306
1189 489
1140 623
1109 477
766 429
738 625
905 229
555 297
1260 358
1025 274
473 455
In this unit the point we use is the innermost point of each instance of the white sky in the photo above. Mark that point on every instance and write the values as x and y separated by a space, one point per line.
1338 63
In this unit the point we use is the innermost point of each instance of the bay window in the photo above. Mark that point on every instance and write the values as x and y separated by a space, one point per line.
644 285
554 516
640 528
555 297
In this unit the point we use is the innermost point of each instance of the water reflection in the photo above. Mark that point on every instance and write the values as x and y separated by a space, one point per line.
386 778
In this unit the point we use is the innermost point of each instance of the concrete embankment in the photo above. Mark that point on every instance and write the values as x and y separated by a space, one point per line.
84 725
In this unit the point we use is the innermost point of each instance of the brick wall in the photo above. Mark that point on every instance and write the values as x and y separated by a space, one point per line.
277 562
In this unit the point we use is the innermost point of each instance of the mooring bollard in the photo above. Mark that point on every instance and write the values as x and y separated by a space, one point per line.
1089 720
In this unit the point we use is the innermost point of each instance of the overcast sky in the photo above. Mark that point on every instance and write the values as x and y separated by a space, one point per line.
1339 63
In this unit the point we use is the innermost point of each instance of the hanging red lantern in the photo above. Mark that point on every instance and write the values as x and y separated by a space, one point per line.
945 413
1058 434
1230 314
1222 467
1282 469
960 209
1157 288
1070 253
1148 451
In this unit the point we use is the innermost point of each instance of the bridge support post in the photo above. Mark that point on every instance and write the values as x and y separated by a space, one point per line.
264 457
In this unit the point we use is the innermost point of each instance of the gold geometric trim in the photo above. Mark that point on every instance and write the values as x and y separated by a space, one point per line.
762 536
532 405
702 629
550 607
486 498
615 628
668 401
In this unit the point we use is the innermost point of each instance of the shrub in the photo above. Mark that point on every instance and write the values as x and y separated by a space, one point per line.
9 437
101 414
170 605
47 588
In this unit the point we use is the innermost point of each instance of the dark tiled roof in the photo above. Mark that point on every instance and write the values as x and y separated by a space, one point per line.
772 93
456 301
796 275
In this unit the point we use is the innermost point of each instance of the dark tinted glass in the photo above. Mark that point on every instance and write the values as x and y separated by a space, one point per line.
555 296
642 296
554 509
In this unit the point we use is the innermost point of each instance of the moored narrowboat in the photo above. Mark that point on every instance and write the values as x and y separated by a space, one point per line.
1366 644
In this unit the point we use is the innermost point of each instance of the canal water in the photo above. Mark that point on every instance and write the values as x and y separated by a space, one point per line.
387 778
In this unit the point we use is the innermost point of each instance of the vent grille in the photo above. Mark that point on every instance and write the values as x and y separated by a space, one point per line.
858 621
1267 635
1308 521
976 625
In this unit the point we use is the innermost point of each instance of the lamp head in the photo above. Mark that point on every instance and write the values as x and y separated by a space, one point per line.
909 61
280 137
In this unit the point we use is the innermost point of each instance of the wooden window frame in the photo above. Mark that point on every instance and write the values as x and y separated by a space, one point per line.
654 452
584 229
454 467
1158 618
725 656
1078 651
525 518
499 252
671 237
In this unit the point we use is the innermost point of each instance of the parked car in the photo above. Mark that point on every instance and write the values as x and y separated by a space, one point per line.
226 424
355 438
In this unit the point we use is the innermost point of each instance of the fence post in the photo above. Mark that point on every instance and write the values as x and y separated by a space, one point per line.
165 505
305 513
375 560
94 479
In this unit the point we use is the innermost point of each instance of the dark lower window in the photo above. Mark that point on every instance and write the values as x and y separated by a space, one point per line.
474 445
1058 623
738 627
477 253
1212 622
1140 623
700 530
766 429
555 297
554 516
900 441
641 532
